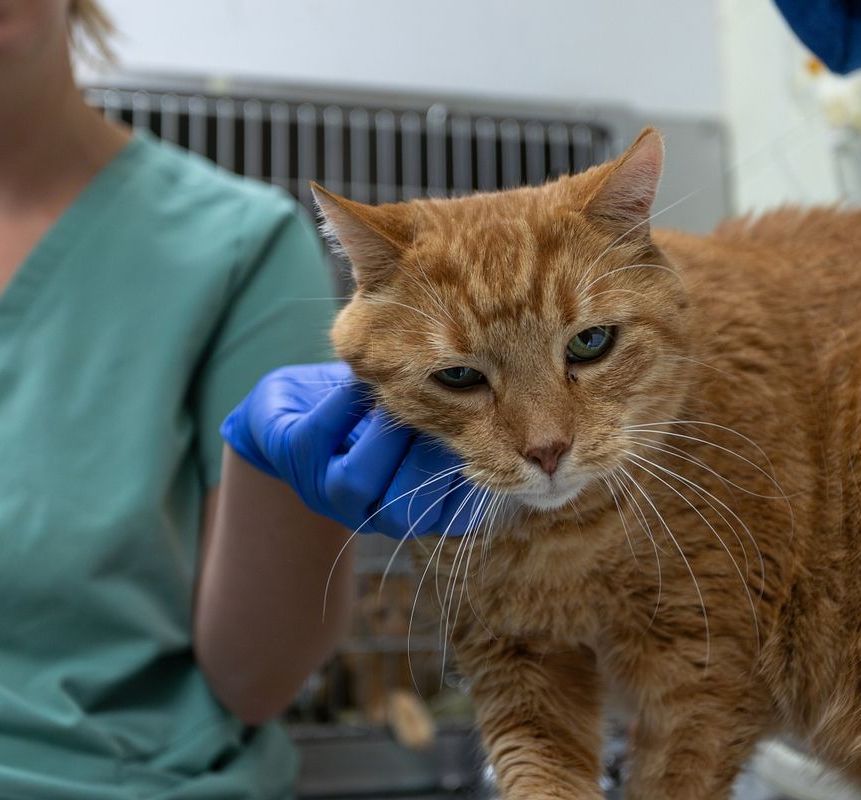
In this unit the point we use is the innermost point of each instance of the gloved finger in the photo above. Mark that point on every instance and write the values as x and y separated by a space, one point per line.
380 447
357 479
331 372
325 427
414 500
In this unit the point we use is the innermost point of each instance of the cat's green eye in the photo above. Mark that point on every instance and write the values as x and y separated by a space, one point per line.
460 377
590 344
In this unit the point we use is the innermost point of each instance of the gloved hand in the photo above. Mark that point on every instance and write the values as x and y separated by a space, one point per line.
314 427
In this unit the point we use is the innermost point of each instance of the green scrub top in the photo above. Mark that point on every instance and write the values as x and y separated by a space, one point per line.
141 318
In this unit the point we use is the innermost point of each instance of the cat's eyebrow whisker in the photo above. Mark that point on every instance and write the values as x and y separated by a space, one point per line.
583 289
645 222
431 290
741 576
616 291
388 301
679 357
681 552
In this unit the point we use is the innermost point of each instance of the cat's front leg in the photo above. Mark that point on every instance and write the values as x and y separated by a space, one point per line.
539 715
691 743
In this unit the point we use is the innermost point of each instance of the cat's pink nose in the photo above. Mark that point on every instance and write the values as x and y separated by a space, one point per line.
547 456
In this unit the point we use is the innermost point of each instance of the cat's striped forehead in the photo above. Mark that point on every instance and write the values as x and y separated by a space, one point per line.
500 262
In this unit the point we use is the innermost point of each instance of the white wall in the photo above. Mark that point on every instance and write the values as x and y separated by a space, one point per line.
781 147
661 56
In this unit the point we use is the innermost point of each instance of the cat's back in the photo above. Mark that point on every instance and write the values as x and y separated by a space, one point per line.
816 251
791 269
824 230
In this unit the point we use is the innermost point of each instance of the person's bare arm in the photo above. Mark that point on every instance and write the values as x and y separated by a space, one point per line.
259 629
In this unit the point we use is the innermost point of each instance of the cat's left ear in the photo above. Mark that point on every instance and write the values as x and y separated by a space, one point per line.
624 194
372 237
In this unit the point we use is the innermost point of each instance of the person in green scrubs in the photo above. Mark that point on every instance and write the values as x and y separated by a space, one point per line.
160 599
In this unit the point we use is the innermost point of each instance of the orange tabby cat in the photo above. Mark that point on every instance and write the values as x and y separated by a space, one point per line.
663 429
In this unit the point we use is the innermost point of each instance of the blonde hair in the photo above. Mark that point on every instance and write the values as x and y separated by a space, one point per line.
91 28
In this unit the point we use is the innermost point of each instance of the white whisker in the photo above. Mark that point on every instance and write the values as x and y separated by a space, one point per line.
711 528
681 553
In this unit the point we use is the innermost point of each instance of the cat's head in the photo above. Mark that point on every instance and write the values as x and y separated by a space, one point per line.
525 328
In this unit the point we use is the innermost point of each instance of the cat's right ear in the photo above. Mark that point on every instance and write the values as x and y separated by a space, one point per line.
626 189
371 237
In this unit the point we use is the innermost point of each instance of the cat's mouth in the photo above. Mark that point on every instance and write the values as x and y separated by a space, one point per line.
554 495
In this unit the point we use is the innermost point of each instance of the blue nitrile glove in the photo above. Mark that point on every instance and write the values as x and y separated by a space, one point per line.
313 426
831 29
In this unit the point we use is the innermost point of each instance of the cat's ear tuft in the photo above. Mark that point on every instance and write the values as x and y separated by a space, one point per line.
627 189
371 237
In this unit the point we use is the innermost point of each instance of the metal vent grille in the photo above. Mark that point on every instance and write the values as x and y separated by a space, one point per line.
368 152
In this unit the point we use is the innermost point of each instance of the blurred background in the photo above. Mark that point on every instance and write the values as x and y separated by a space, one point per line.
387 99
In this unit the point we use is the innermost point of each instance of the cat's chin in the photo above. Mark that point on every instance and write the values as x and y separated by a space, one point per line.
553 498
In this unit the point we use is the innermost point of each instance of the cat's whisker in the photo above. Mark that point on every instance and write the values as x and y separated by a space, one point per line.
438 546
486 504
633 504
445 473
340 553
457 512
488 537
606 482
487 522
647 428
700 422
661 431
681 553
452 578
471 540
711 527
410 533
681 454
352 536
438 553
437 549
708 497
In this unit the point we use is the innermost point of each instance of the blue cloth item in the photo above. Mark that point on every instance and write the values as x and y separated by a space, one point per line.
830 29
314 426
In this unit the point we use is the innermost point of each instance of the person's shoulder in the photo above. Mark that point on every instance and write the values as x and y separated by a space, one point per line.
182 183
